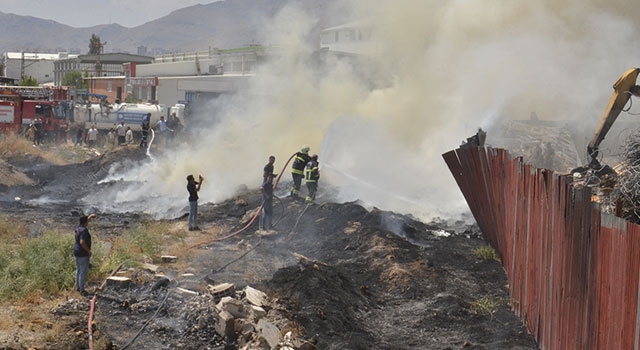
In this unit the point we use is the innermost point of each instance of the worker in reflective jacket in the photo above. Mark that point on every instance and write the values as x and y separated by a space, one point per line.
312 176
297 170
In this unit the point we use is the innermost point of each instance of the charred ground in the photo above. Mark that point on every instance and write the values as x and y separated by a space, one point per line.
341 275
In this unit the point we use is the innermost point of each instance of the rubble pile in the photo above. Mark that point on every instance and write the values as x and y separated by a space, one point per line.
188 311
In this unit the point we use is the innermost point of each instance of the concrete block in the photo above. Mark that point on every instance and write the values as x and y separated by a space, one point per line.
118 281
232 306
222 290
254 296
269 332
224 324
257 312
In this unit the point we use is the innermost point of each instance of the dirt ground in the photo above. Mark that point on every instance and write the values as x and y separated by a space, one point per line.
336 275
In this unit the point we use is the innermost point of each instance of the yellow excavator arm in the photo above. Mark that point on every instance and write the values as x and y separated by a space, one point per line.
622 91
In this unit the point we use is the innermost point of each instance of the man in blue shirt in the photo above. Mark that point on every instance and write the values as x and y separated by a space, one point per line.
82 252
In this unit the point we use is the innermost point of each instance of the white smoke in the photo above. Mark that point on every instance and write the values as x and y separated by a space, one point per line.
440 70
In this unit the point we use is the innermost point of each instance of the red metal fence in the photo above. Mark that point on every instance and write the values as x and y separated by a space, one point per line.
573 271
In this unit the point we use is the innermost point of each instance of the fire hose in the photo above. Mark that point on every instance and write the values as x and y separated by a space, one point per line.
252 219
93 304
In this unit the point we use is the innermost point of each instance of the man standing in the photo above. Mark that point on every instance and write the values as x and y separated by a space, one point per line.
129 136
267 203
163 130
313 175
92 136
297 170
82 252
79 133
121 130
37 136
193 187
268 169
145 130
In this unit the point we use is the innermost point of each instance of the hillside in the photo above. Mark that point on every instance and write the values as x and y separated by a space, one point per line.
223 24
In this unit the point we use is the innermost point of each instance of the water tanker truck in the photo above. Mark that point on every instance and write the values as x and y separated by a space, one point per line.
105 116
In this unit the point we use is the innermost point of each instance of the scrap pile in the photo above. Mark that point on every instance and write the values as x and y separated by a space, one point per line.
541 144
624 199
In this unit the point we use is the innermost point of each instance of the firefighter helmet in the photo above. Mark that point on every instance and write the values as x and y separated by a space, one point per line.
305 149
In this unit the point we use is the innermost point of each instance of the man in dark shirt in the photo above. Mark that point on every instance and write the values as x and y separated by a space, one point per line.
267 203
82 252
193 187
146 122
268 169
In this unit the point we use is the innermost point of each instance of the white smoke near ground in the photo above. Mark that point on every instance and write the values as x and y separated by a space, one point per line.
438 71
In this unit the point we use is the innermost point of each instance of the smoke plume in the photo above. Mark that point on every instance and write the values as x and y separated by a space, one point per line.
434 72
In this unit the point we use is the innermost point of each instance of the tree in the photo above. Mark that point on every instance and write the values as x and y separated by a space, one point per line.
74 79
28 80
95 45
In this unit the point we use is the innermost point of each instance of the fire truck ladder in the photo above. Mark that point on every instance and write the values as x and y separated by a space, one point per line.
28 92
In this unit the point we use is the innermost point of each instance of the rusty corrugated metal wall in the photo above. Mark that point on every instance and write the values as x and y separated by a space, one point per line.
573 271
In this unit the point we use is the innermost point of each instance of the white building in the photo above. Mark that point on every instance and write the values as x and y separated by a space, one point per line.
190 76
357 37
40 66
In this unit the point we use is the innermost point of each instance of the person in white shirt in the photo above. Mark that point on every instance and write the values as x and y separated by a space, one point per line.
92 136
163 129
128 136
121 130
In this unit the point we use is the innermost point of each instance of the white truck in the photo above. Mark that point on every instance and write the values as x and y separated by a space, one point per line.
106 116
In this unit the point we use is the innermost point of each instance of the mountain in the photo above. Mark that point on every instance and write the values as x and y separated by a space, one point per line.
223 24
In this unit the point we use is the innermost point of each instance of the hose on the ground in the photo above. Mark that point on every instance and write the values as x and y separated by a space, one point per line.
93 305
148 321
252 219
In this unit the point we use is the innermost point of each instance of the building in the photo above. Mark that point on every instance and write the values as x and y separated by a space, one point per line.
190 76
112 87
357 37
40 66
103 65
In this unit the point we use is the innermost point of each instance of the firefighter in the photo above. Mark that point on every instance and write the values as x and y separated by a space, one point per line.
297 170
312 177
145 130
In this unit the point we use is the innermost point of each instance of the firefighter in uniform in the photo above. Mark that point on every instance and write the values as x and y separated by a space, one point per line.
312 176
297 170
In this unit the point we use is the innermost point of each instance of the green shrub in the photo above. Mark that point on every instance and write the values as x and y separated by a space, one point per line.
131 249
147 244
486 253
487 305
43 263
46 263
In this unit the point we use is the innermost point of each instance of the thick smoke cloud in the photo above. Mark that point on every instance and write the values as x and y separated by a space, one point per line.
437 70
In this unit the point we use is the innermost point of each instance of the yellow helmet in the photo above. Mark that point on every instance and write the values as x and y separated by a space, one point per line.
305 149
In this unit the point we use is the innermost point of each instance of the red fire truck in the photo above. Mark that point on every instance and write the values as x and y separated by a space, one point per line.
20 105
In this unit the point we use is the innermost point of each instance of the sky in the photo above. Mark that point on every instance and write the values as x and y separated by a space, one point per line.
447 67
88 13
